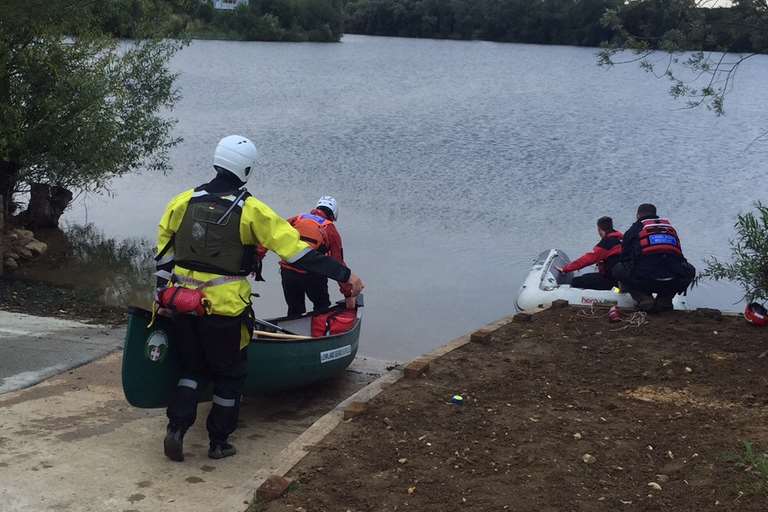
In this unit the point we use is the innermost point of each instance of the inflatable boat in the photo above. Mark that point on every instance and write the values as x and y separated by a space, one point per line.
545 284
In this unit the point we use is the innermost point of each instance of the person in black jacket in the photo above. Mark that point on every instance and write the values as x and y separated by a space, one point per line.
652 261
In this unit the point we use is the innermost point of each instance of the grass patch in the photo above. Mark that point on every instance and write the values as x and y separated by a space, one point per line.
753 461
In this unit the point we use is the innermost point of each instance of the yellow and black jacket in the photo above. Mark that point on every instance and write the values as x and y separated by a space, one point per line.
227 289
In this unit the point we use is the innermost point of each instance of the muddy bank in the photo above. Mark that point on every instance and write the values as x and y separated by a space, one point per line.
82 276
42 299
566 412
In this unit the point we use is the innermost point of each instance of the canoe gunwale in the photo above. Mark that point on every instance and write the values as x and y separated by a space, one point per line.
137 310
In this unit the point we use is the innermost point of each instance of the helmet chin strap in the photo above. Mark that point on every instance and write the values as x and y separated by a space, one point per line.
228 175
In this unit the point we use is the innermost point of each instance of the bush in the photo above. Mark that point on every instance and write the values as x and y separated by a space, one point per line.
749 250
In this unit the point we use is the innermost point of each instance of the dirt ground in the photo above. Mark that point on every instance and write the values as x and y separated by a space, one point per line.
567 412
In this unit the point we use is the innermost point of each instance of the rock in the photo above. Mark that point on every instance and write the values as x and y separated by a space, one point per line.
654 485
354 409
521 317
416 368
589 459
10 263
23 234
481 336
36 247
715 314
24 253
402 461
662 478
273 487
12 255
577 436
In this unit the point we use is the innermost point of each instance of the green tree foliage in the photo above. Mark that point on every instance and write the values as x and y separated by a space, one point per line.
260 20
574 22
749 251
78 108
697 48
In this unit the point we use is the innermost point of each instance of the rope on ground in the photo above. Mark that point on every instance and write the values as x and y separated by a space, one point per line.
587 313
637 320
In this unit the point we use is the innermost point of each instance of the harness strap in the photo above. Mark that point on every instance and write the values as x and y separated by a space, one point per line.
225 217
159 257
207 284
175 278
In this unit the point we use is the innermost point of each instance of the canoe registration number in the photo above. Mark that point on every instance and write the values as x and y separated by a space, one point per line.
337 353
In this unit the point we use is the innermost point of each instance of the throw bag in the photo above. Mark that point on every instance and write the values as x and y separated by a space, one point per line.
185 301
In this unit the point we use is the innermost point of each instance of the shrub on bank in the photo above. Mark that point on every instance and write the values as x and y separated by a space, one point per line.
749 251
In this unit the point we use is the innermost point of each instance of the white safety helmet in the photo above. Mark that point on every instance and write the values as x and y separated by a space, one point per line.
330 203
237 155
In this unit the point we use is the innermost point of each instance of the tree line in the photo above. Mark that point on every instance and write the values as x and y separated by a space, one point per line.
574 22
568 22
259 20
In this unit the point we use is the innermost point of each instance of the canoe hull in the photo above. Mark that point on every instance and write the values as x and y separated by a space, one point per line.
152 368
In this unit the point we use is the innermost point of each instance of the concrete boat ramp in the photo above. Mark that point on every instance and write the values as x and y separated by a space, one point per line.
72 442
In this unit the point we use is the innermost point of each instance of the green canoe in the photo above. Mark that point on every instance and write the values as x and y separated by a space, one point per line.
151 367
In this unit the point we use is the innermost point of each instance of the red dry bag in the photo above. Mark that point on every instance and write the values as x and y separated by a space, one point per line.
185 301
334 322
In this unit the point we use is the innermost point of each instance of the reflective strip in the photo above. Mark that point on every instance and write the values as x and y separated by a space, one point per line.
168 258
186 280
206 284
296 257
199 193
164 274
320 220
223 280
187 383
224 402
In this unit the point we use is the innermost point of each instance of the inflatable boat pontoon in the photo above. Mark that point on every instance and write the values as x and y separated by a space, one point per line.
545 284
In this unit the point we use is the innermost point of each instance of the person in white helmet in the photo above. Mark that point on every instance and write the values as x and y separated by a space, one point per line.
206 243
318 229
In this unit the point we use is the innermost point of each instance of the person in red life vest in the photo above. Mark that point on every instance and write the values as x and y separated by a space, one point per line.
652 262
605 255
317 228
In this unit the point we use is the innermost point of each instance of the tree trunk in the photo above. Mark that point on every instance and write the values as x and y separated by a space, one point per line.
46 205
9 172
2 234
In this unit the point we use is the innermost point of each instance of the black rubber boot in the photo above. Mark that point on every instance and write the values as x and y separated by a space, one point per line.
173 445
664 303
220 450
644 301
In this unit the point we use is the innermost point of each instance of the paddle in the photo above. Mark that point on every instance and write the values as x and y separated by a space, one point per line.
273 326
280 336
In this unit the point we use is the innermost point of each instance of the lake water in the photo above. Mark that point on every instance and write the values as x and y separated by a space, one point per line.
455 164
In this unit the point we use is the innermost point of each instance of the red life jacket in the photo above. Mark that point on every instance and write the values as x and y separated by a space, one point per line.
657 236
